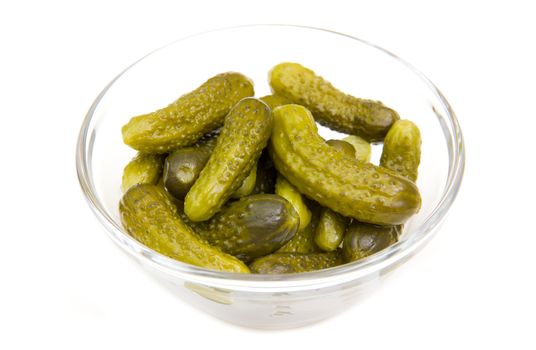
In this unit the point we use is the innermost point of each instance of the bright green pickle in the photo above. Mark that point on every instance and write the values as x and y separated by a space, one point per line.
354 189
402 149
289 192
248 185
244 135
142 169
331 107
274 101
150 216
362 148
186 120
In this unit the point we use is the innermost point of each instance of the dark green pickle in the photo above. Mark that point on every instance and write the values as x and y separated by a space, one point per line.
266 175
252 227
282 263
362 240
182 167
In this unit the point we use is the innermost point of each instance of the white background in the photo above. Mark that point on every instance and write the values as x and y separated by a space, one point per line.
64 285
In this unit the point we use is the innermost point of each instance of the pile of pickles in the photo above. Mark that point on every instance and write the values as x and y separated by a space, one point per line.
230 182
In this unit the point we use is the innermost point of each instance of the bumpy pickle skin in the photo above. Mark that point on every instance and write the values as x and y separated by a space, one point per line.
286 190
354 189
402 149
362 240
142 169
183 166
366 118
245 133
274 101
191 116
248 185
149 215
282 263
362 148
252 227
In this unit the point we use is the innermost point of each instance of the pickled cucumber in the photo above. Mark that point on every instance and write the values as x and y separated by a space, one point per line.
248 185
149 215
361 147
182 167
362 240
251 227
142 169
354 189
289 192
274 101
245 133
279 263
331 107
330 230
402 149
304 240
186 120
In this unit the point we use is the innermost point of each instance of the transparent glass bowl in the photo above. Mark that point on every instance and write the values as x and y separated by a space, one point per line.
354 66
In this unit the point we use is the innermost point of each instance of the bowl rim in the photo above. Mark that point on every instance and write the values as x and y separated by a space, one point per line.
370 266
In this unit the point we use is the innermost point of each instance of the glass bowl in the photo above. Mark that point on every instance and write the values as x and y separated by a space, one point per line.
354 66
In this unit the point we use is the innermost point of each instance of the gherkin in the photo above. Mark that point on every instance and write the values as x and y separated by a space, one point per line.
244 135
362 240
252 227
183 166
191 116
289 192
339 111
142 169
281 263
354 189
402 149
149 215
274 101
